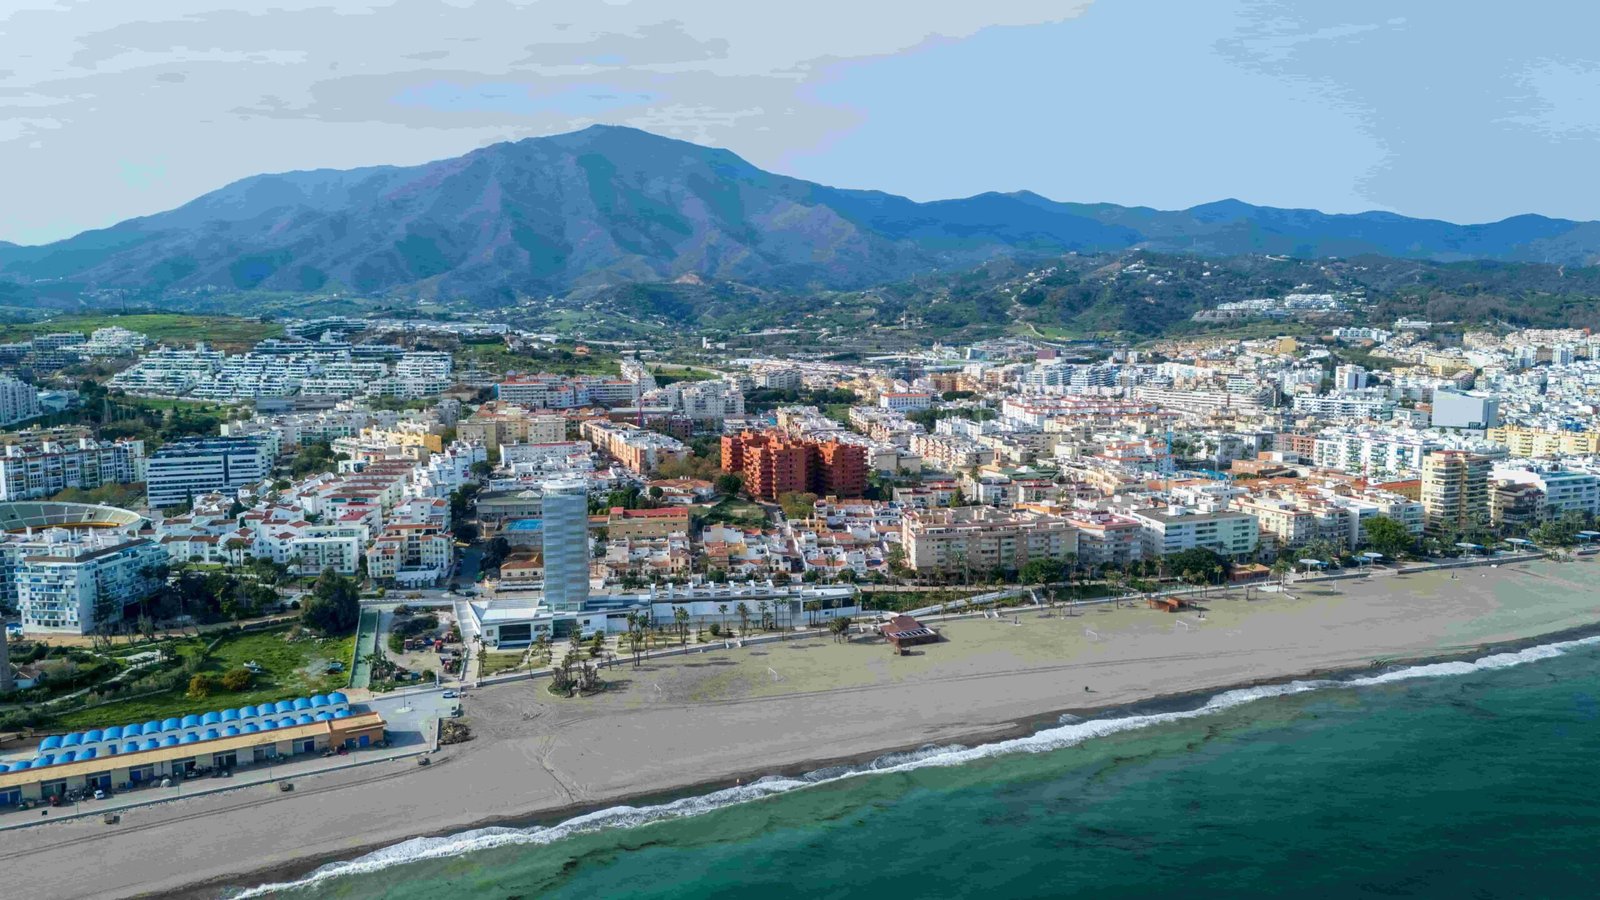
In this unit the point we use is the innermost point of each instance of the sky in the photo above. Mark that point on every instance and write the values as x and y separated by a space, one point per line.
1467 111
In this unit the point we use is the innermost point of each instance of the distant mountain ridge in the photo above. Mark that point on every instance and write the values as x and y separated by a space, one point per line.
612 205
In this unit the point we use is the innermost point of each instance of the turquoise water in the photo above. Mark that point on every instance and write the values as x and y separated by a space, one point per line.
1455 780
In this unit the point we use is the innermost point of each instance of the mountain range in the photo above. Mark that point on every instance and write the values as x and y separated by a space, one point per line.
610 205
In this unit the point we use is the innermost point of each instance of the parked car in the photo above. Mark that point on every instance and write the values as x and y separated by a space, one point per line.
450 695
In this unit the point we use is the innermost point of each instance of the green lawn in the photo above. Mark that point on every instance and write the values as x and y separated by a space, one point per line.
735 512
221 331
293 669
496 661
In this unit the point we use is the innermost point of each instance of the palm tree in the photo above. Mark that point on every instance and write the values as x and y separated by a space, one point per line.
766 611
681 617
1281 567
743 609
722 609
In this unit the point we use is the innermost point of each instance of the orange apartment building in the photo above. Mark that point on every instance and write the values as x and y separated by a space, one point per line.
774 464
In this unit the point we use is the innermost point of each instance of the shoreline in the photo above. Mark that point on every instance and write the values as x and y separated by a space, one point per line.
292 870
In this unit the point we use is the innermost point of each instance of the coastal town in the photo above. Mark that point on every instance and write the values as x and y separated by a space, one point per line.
296 555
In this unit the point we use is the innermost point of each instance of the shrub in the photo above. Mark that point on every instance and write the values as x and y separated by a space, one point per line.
201 685
238 679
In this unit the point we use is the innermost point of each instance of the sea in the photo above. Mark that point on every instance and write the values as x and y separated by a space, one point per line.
1470 779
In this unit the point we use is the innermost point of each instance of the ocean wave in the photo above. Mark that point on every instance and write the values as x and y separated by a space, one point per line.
1071 732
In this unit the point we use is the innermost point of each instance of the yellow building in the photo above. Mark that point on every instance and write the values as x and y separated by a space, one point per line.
1532 442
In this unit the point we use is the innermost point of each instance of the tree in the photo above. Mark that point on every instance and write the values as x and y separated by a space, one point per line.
1195 559
798 504
729 483
1388 536
481 469
1041 571
334 606
838 627
680 619
466 532
743 611
495 553
1281 567
1562 532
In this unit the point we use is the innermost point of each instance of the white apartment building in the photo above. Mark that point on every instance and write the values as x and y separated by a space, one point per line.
182 470
1175 529
114 340
1373 453
64 581
709 400
40 470
168 371
19 400
905 401
1564 491
949 452
561 392
1344 405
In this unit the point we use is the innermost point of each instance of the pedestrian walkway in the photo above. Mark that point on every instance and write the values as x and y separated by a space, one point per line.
366 645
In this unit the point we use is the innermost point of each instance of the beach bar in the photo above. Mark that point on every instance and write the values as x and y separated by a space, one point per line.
903 631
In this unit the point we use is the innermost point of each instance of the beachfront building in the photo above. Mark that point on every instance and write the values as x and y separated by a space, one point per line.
1176 529
566 544
967 540
1563 491
515 622
1455 491
183 470
72 581
1106 539
126 757
37 470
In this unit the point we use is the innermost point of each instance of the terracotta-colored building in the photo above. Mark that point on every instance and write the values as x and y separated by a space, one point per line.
774 464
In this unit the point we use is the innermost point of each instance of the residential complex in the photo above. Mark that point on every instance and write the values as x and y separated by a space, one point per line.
774 464
43 469
181 471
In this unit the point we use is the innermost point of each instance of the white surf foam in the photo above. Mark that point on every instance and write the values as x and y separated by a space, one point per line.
1069 733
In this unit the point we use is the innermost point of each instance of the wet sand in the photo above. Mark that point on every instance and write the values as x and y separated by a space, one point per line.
705 719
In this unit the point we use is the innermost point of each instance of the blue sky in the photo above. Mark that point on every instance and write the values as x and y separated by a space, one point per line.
1465 111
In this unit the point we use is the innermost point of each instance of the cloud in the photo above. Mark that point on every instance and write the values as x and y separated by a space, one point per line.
201 92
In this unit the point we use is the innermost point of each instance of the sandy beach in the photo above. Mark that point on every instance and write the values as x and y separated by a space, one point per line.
704 719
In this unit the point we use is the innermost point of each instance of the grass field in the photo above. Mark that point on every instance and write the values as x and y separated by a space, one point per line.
293 669
496 661
735 512
221 331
